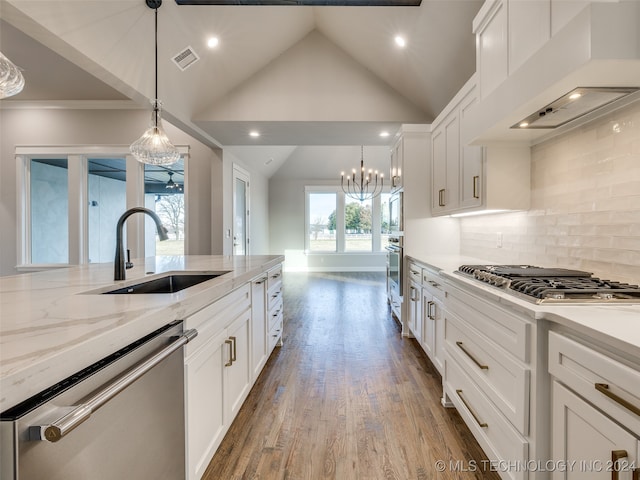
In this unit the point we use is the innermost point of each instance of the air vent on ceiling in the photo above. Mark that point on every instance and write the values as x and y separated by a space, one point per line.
185 58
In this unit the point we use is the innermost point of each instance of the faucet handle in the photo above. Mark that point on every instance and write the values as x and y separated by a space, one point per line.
128 265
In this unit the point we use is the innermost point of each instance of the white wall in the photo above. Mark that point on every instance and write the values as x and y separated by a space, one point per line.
585 209
99 127
316 165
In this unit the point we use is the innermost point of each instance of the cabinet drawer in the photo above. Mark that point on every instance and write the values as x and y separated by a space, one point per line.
275 277
496 373
212 318
506 328
274 315
274 296
432 282
275 334
415 272
604 381
497 437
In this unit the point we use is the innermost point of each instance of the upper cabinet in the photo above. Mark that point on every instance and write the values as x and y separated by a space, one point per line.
467 177
530 53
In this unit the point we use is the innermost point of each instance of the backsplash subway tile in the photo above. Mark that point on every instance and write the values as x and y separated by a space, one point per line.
585 206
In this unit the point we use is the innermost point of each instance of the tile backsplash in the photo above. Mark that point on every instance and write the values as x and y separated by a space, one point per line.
585 204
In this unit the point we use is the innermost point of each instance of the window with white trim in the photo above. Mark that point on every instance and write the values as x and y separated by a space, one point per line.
336 223
71 199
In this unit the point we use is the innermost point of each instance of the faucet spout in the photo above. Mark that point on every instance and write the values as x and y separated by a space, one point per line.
119 263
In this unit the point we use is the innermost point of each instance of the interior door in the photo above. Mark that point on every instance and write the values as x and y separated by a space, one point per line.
240 211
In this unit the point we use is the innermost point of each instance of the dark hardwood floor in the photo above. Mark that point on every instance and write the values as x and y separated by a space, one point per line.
346 397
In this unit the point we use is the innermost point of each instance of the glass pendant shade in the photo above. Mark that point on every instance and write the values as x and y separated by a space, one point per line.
154 147
11 79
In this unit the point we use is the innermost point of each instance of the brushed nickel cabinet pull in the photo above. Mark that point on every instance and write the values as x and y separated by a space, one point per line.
441 198
230 362
468 354
473 414
412 297
616 455
476 186
604 389
431 310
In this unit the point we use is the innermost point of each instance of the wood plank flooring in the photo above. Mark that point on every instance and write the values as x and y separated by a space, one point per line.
346 397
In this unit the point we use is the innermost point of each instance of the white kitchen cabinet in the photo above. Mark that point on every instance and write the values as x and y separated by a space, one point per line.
492 371
490 28
468 178
275 308
593 445
433 313
222 363
415 310
596 409
259 340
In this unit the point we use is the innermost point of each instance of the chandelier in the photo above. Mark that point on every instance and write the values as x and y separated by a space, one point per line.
154 147
171 185
11 79
367 186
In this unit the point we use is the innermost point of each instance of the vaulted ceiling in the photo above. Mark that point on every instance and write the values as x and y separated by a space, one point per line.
300 75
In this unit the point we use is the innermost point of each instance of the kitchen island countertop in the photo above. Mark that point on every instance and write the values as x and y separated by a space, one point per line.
54 323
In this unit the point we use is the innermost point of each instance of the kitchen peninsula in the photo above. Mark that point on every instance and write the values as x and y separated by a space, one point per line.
57 322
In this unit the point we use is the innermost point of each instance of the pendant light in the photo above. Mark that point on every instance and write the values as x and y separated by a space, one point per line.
11 79
154 147
364 188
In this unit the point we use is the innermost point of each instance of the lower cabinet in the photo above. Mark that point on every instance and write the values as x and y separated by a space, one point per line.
222 363
596 411
590 444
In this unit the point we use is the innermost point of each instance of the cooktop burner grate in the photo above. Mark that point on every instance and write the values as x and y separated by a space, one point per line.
555 285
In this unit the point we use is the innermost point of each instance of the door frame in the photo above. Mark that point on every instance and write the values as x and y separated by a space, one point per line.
241 174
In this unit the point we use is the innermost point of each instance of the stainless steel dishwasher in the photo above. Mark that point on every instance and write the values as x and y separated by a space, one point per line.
122 417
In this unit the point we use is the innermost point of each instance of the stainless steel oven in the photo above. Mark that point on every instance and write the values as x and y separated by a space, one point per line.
121 417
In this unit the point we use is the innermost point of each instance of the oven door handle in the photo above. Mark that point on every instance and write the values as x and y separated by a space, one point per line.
65 424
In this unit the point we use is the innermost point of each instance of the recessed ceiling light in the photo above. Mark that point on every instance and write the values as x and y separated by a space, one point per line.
213 42
575 96
384 134
400 41
523 124
254 133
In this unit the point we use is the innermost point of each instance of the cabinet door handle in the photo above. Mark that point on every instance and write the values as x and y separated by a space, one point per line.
468 354
616 456
412 297
431 310
275 275
233 357
604 389
476 186
473 414
441 198
261 281
432 283
230 343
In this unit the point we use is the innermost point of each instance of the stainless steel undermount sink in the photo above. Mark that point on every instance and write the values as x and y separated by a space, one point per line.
169 284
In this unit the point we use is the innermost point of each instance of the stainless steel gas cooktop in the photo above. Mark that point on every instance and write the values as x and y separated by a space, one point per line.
553 285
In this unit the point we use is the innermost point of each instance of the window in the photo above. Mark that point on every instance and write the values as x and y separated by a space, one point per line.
337 223
322 222
357 225
164 194
49 201
72 198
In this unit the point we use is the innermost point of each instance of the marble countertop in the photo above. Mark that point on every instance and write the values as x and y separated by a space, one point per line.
615 325
56 322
